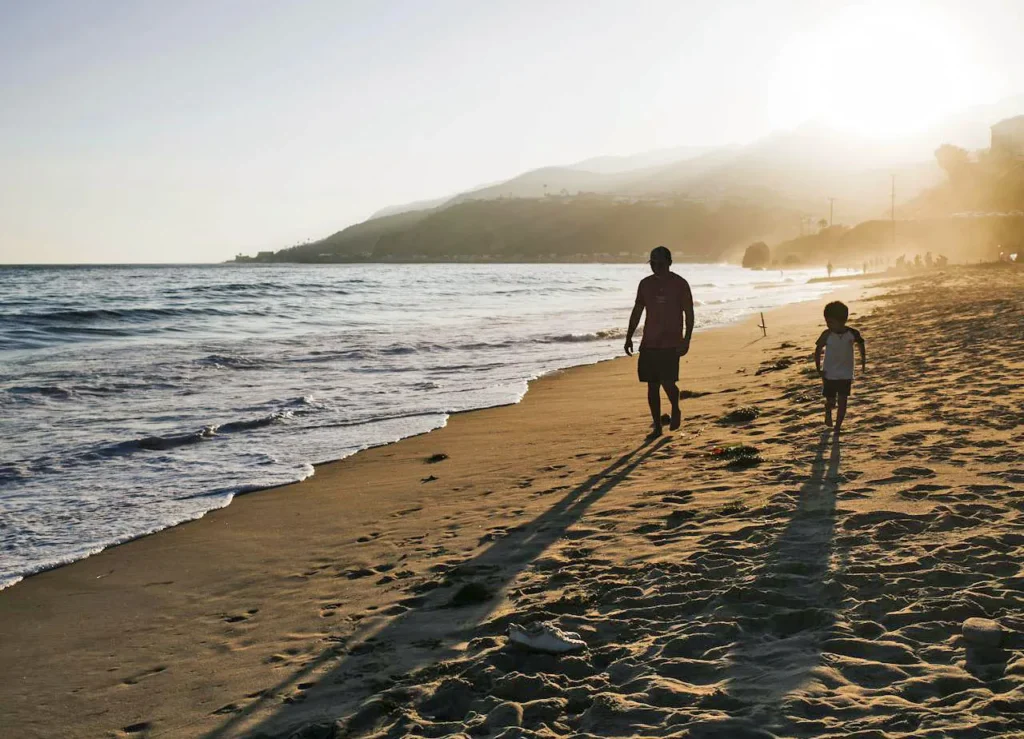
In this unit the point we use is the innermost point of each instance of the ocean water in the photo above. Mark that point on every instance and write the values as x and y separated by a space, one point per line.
135 398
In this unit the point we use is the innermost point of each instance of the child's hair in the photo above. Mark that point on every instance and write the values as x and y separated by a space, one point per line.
837 311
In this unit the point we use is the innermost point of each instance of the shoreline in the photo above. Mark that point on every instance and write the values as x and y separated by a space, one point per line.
248 490
217 573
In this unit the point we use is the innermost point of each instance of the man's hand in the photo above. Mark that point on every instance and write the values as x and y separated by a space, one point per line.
629 346
684 348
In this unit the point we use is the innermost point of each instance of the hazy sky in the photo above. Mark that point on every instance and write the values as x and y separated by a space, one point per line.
188 130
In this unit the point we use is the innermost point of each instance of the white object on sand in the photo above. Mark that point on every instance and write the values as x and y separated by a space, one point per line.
545 637
983 631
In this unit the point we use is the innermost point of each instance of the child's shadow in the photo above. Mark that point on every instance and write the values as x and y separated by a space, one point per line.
791 610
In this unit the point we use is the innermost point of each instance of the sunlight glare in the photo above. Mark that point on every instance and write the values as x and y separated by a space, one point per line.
882 69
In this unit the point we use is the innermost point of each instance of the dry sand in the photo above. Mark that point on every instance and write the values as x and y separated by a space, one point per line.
819 592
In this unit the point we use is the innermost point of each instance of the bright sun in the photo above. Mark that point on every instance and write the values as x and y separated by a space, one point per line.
884 68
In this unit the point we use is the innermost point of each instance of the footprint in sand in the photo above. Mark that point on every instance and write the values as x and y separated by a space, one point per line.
134 679
330 609
234 618
406 512
284 656
140 728
914 472
678 497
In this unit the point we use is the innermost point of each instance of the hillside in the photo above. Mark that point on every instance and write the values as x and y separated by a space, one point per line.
553 229
353 242
546 181
976 213
959 239
607 206
800 168
805 167
643 160
394 210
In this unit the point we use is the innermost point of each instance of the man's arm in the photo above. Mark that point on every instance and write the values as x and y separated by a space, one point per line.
634 321
819 347
863 349
688 318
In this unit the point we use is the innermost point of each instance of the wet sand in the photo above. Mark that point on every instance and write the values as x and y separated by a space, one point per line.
818 589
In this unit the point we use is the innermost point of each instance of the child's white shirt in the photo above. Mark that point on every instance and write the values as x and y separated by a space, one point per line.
839 362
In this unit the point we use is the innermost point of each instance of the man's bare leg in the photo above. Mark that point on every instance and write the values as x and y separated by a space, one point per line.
672 391
654 400
841 412
829 403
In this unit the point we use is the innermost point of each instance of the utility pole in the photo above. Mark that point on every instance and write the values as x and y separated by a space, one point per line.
830 203
893 211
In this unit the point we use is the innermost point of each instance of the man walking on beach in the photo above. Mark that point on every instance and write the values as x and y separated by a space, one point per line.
666 297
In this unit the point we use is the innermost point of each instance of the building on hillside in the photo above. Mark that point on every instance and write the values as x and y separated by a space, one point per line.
1008 137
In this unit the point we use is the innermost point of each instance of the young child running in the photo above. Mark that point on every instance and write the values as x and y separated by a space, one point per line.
837 370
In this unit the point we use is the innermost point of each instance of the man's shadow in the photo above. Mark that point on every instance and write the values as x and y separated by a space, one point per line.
786 611
496 567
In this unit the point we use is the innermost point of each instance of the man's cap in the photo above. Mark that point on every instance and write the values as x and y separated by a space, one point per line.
660 252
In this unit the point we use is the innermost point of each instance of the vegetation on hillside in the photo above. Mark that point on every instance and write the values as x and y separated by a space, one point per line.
976 213
956 238
986 181
583 227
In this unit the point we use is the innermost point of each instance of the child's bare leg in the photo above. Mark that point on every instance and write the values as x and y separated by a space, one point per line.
672 391
829 403
841 412
654 401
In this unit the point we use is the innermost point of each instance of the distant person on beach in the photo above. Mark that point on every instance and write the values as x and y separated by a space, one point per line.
836 342
667 299
829 269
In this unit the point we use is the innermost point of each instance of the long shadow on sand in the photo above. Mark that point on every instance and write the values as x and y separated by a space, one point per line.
786 611
337 680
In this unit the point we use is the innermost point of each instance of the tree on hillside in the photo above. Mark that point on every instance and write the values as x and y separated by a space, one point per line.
757 255
983 182
955 162
822 224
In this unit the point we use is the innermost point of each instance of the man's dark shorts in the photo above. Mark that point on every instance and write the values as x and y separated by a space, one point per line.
658 365
832 388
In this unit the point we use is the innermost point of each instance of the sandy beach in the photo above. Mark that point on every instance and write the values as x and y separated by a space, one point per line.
815 589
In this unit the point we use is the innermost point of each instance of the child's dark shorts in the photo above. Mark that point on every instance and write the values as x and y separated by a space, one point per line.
832 388
658 365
